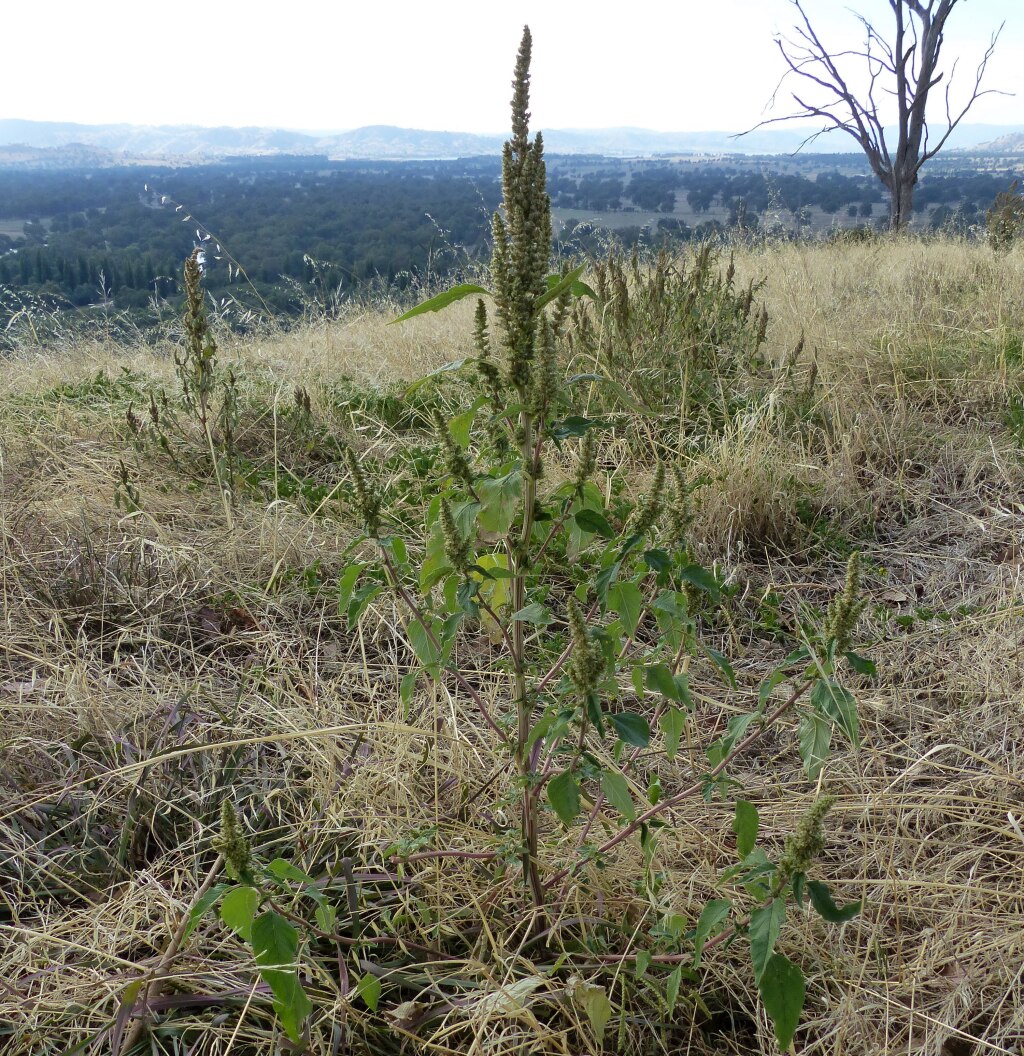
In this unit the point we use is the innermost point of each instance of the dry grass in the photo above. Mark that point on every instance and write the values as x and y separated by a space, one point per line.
152 663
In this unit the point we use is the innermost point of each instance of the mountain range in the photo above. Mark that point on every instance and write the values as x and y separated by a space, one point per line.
41 142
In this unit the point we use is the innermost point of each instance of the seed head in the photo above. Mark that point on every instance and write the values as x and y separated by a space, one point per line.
367 501
845 610
544 383
678 510
648 511
804 845
455 461
457 548
233 845
587 663
586 460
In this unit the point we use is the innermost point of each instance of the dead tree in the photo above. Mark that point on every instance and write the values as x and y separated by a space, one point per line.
901 70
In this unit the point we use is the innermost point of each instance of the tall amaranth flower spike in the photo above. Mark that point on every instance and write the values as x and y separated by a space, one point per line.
522 235
587 663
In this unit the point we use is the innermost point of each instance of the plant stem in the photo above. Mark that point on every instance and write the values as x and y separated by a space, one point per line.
524 711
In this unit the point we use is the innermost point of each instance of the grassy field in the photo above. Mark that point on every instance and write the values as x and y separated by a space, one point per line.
166 651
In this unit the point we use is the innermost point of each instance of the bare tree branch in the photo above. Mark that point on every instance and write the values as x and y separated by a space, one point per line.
903 66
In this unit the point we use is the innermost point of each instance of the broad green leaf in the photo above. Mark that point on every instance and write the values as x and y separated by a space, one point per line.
798 883
616 791
756 865
564 796
442 300
673 617
325 915
643 962
721 661
499 498
558 284
815 740
494 575
461 425
399 550
673 723
407 687
448 368
284 870
596 1005
768 685
626 600
595 523
765 925
633 729
346 584
672 984
736 730
360 600
821 899
861 664
745 825
203 906
782 991
423 645
716 911
637 678
702 579
275 943
661 679
657 560
368 988
604 580
238 908
535 612
837 703
575 425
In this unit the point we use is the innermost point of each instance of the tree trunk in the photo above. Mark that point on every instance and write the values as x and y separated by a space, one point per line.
901 202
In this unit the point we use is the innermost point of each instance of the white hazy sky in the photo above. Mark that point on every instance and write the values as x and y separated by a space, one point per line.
336 64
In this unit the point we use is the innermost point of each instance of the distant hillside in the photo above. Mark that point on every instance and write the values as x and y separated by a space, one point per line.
1009 144
120 143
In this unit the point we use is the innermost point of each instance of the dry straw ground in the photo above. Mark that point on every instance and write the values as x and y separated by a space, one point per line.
150 661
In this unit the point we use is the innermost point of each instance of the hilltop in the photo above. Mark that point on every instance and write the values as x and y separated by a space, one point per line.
166 651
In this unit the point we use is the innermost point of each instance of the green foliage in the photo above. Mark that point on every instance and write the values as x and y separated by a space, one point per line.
664 331
273 938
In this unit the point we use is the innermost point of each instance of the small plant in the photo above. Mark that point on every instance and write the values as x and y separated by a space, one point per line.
208 397
1005 219
666 331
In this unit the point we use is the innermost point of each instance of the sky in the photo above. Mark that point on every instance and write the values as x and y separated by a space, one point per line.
669 65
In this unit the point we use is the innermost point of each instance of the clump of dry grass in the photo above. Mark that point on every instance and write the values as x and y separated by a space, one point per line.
153 663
